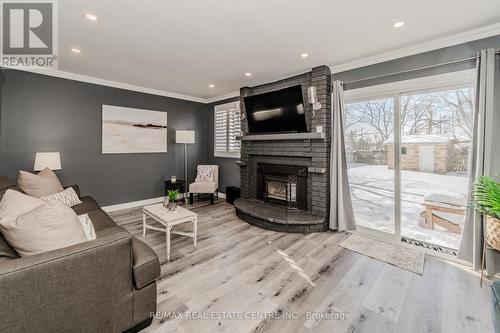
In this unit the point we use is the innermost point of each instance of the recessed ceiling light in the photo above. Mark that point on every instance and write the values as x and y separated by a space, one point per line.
75 50
211 85
91 17
398 24
248 74
304 55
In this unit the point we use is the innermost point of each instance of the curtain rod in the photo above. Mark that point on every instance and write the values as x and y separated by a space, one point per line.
415 69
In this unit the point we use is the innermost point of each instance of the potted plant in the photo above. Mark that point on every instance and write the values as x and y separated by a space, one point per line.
487 202
172 197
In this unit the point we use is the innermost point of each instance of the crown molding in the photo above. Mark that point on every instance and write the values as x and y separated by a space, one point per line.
222 97
460 38
107 83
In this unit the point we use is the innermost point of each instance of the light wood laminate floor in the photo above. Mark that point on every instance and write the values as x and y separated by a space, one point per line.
238 269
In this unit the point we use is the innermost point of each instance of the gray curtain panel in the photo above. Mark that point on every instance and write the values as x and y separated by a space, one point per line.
481 152
341 212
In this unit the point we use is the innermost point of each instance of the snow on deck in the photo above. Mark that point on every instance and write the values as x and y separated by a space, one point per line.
372 191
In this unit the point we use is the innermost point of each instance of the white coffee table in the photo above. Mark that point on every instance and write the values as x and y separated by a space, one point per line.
169 219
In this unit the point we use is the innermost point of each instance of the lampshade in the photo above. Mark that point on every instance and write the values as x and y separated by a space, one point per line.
47 160
184 136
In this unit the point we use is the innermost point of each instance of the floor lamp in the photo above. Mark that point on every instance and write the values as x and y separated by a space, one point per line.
186 137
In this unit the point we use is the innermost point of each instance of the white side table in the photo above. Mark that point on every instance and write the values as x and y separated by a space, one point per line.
169 220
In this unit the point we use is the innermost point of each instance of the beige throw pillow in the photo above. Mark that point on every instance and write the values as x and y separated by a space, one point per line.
48 227
15 203
40 185
68 197
31 225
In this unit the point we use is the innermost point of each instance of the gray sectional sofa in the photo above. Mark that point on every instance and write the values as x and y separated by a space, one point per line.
104 285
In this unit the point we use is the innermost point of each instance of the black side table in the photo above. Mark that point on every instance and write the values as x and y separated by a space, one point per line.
178 185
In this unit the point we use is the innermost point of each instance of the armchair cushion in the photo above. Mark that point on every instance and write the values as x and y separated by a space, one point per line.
146 266
202 187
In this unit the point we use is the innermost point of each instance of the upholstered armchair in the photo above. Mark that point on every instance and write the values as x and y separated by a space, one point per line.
207 182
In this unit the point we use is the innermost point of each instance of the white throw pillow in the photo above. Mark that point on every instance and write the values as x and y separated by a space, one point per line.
68 197
48 227
87 226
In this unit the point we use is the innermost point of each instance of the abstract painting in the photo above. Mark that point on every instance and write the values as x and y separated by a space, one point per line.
128 130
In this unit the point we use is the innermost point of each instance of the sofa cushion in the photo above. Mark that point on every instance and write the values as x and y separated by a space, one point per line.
6 182
100 220
202 187
40 185
6 251
146 265
88 205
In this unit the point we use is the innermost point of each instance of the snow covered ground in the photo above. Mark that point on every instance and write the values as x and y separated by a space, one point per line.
372 191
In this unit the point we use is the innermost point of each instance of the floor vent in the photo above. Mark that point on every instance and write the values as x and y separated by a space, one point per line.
429 246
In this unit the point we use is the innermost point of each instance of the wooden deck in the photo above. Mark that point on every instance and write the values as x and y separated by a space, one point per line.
238 270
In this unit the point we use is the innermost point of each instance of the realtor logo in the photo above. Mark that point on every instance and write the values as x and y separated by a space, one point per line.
29 33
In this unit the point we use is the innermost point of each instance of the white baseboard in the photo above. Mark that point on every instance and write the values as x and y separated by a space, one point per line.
145 202
132 204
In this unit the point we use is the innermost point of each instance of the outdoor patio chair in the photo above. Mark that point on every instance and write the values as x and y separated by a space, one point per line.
442 202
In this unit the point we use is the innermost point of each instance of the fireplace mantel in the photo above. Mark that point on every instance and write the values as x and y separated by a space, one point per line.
283 136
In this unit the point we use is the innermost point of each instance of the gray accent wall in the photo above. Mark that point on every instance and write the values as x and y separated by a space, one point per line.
44 113
421 60
229 171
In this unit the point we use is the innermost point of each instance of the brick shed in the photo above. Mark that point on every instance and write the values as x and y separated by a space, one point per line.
426 153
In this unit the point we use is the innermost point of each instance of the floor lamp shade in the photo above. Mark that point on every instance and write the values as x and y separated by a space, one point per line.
47 160
184 136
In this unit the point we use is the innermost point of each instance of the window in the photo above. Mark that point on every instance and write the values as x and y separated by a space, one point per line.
227 126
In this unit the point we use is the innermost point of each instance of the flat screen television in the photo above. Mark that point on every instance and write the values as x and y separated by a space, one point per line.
280 111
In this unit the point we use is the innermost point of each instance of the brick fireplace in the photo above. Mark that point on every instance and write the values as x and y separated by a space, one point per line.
285 177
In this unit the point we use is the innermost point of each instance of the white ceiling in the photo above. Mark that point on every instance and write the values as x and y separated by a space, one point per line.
183 46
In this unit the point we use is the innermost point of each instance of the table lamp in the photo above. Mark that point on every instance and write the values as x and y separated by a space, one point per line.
47 160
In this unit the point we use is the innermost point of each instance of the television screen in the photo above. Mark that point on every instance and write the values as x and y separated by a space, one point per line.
280 111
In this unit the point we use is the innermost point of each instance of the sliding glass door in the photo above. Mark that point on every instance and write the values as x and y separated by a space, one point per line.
368 125
436 135
408 157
